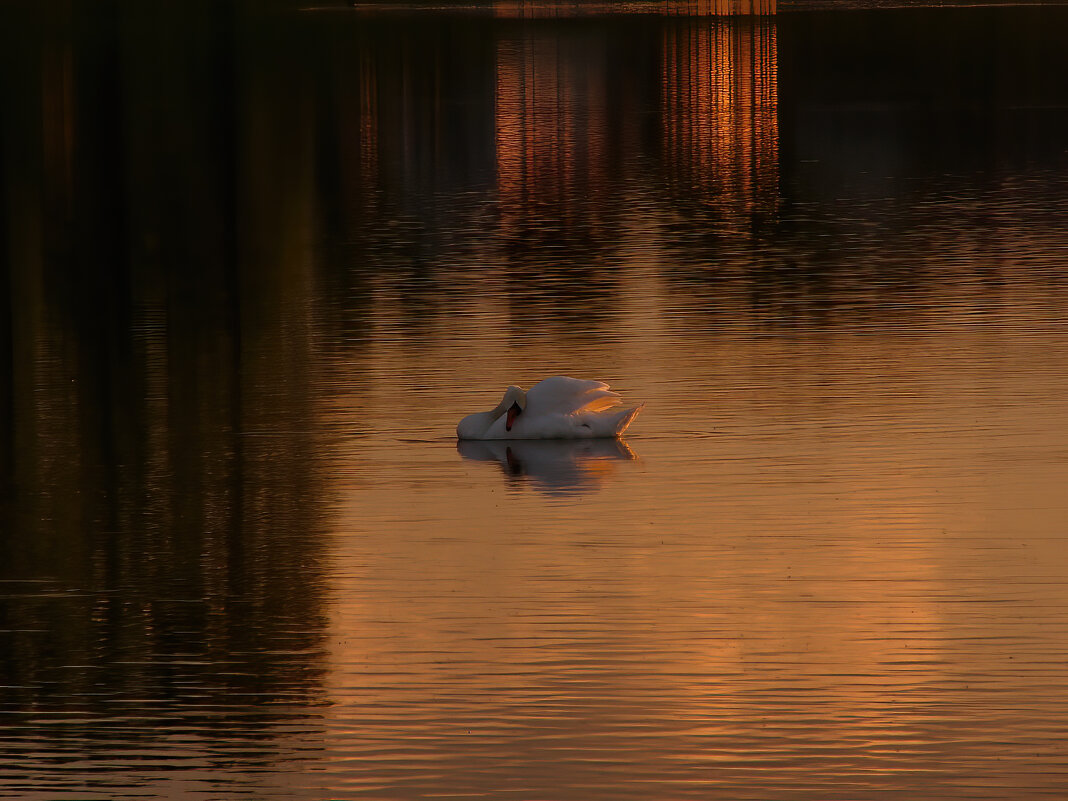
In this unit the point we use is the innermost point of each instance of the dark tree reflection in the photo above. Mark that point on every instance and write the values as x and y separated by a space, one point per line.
162 511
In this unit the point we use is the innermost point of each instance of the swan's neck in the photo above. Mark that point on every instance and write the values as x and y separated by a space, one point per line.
500 409
474 426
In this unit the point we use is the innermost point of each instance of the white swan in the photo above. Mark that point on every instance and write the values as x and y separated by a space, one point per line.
556 408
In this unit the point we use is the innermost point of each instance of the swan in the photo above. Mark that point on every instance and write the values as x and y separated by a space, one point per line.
556 408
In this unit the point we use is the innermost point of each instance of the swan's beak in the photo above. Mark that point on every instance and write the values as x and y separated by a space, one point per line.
513 411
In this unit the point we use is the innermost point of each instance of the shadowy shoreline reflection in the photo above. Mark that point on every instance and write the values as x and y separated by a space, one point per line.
161 498
552 467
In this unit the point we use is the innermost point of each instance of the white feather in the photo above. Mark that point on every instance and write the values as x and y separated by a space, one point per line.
556 408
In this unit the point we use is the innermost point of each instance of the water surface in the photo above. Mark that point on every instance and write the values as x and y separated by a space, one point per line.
258 266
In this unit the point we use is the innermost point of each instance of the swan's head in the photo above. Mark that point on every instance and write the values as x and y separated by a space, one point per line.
513 403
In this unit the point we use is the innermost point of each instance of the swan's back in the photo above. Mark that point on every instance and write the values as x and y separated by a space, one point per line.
564 395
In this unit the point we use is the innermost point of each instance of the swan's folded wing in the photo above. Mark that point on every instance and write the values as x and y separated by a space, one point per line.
598 401
563 395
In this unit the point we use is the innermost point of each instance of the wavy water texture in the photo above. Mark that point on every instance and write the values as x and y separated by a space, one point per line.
258 266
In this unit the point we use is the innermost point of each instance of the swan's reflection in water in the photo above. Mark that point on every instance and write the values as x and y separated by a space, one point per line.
555 467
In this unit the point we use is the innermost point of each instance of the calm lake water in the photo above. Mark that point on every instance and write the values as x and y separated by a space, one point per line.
257 266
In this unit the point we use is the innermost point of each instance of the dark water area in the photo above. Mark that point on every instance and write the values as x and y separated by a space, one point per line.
256 264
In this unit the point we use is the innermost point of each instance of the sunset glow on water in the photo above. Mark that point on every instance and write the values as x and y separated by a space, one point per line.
258 270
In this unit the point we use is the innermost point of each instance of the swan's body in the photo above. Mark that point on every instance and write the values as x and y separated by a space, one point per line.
556 408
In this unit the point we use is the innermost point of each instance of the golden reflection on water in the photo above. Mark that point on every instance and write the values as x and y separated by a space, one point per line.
719 99
245 553
552 140
540 9
830 574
